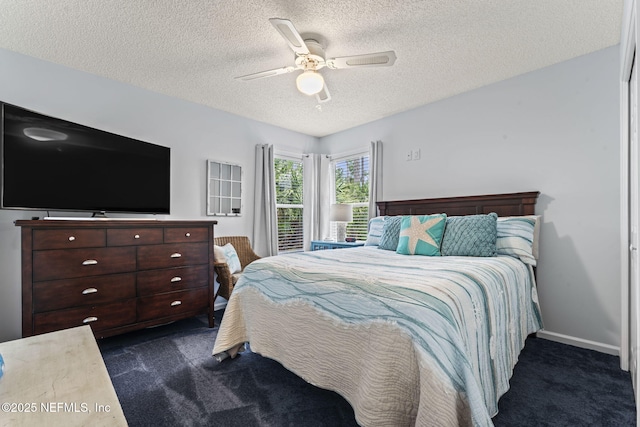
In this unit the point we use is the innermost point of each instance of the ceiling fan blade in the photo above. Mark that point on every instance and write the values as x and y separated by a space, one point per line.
291 35
379 59
268 73
323 95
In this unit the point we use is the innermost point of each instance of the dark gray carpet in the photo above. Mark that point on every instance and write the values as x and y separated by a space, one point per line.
165 376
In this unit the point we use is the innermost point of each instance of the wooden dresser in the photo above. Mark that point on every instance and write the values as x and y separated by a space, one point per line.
115 275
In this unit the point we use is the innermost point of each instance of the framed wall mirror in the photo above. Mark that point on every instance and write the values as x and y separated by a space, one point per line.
224 188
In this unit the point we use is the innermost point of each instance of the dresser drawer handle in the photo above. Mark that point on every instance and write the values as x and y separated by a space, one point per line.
176 279
187 234
137 236
176 303
89 291
72 238
176 255
90 319
89 262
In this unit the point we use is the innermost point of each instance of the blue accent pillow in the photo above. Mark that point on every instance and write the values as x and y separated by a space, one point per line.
421 234
470 235
390 233
375 231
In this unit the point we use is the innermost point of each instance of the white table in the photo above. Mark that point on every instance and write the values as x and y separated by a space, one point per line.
57 379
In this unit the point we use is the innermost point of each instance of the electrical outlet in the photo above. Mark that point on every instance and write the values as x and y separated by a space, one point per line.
409 155
416 154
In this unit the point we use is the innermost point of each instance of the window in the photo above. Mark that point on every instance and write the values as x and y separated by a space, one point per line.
351 176
289 204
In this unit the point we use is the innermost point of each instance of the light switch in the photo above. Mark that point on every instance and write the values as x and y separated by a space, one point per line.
416 154
409 155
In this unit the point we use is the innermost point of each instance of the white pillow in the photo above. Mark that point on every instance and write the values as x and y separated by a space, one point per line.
218 254
375 231
518 237
228 254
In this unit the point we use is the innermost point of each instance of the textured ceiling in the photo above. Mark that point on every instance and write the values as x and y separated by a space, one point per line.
193 49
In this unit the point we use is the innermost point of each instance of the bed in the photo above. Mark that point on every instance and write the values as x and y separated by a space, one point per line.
406 340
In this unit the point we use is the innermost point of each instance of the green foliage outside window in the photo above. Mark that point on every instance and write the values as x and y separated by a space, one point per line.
289 197
352 180
288 181
351 185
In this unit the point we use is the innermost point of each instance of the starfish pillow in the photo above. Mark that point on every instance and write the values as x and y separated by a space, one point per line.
421 234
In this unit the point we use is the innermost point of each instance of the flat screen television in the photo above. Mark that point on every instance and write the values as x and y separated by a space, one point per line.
53 164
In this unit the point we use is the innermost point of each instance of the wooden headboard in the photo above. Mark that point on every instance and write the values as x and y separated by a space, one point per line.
511 204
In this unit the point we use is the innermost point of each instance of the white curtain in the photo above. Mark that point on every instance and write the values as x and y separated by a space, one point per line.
317 197
375 176
265 220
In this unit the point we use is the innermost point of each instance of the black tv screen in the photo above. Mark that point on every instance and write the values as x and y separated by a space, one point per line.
53 164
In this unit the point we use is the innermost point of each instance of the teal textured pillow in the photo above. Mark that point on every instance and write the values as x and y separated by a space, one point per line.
375 231
471 235
421 234
390 233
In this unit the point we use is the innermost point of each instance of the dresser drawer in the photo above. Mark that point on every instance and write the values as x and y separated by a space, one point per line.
68 238
100 317
186 234
70 263
174 255
65 293
173 279
172 303
134 236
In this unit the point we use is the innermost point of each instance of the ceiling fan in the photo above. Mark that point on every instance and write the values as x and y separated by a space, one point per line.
310 58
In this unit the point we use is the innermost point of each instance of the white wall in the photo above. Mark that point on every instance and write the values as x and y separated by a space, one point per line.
555 130
195 133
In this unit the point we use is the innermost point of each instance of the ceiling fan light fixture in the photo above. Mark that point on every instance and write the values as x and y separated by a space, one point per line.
310 82
310 57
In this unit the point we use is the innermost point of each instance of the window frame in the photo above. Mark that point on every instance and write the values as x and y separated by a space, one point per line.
297 159
344 158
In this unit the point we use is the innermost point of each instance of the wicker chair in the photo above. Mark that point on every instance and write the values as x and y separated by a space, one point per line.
246 255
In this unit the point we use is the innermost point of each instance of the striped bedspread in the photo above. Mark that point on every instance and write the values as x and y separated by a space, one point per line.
407 340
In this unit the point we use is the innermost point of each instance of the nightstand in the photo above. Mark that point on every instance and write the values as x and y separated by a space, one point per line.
318 245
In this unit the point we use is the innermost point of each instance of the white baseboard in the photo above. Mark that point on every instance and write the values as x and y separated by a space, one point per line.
219 305
579 342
